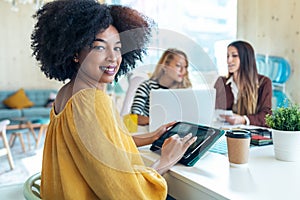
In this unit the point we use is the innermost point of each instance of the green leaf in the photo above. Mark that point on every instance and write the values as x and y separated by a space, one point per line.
285 118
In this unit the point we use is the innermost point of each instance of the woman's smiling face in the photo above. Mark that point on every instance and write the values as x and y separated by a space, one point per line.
101 62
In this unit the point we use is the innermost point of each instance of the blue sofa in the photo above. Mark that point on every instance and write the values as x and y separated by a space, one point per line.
38 96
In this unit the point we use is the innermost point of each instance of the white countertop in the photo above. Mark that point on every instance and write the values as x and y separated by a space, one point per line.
213 178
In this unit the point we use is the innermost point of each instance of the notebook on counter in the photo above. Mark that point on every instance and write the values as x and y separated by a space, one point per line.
190 105
261 136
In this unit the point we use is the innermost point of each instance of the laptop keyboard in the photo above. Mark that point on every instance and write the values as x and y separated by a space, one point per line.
220 146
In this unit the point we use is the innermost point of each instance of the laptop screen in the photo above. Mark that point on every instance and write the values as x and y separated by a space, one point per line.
191 105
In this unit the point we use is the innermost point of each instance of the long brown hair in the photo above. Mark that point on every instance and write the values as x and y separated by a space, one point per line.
247 78
164 60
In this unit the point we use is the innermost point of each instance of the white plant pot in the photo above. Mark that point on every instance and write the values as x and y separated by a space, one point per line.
286 145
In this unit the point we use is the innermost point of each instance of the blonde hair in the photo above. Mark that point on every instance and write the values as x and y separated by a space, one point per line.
165 59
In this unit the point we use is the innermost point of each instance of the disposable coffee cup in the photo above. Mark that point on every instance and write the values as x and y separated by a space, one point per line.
238 143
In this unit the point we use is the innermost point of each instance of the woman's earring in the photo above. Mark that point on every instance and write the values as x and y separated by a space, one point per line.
76 59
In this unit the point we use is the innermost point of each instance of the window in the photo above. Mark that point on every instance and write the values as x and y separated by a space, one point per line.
202 28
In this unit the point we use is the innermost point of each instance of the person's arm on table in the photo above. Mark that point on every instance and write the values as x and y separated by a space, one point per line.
235 119
143 120
150 137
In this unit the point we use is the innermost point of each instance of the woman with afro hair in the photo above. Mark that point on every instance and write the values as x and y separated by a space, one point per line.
88 152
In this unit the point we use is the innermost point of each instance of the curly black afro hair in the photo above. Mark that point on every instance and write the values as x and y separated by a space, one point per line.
64 27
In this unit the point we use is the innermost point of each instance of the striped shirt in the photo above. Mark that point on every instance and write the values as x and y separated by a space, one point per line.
140 103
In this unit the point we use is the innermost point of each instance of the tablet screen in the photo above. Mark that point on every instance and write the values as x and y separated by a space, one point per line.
182 129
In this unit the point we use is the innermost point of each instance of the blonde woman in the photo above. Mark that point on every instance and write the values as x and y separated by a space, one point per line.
244 91
171 72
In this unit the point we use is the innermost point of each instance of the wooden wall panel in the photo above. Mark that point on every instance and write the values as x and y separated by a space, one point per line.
273 28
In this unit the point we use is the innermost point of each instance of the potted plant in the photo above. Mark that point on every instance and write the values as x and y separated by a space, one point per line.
285 124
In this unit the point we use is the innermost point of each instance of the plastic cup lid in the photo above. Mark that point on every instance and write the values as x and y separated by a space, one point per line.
238 134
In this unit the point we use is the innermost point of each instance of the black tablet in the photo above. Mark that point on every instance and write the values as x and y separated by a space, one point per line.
206 137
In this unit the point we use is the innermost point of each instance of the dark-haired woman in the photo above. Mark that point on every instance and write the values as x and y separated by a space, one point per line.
88 152
244 91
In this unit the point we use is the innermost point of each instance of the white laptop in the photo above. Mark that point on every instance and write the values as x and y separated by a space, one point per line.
189 105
